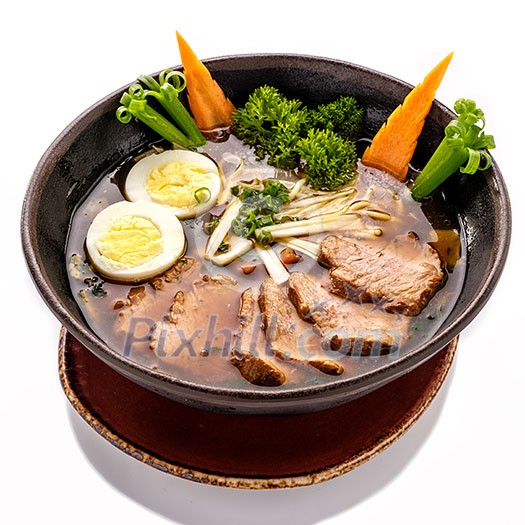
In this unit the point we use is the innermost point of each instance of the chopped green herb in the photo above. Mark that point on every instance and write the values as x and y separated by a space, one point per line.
202 195
210 225
235 191
259 207
223 247
95 286
264 238
98 291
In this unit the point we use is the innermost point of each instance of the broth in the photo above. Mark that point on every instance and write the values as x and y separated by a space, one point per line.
200 352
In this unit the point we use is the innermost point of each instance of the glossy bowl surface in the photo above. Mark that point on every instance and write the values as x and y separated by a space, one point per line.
95 141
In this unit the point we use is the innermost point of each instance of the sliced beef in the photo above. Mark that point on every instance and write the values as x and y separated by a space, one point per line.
247 345
197 322
345 326
183 265
218 279
136 305
141 300
402 276
285 330
173 336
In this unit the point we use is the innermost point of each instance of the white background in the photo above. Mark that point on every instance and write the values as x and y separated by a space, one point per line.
462 462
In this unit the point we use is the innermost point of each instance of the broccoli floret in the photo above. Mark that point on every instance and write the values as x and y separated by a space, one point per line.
329 160
343 115
272 124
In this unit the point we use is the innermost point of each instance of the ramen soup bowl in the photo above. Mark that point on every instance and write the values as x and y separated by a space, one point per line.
81 172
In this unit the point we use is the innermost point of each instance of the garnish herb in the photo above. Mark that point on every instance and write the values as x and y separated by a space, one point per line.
343 116
210 225
258 209
272 124
223 247
329 159
96 286
166 91
183 131
463 148
318 141
202 195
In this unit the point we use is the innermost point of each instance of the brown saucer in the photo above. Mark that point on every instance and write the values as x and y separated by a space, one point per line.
244 451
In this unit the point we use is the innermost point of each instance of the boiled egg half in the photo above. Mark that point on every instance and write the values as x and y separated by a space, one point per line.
186 181
134 241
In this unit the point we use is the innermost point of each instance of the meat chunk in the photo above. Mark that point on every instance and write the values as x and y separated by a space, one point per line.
193 325
344 325
402 276
141 300
173 337
248 340
284 330
183 265
138 301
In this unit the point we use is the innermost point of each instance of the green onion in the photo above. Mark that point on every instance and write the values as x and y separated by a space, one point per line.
312 249
223 247
238 246
264 237
134 105
201 199
259 208
166 91
463 148
222 228
273 264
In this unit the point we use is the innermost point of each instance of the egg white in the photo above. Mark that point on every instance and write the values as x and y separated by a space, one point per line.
172 241
135 185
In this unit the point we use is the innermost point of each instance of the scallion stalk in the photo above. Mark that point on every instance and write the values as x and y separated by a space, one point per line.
166 91
222 229
238 246
312 249
273 264
463 148
319 224
134 105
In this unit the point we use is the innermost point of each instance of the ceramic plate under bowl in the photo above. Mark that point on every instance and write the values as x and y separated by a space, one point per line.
96 141
245 451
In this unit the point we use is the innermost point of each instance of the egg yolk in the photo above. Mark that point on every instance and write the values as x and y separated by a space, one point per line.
175 183
130 241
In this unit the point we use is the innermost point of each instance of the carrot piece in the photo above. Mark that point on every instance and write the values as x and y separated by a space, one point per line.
210 107
393 146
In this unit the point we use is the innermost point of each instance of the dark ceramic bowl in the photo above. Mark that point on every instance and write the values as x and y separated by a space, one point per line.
95 141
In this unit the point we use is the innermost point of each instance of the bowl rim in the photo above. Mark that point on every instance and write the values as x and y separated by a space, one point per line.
233 399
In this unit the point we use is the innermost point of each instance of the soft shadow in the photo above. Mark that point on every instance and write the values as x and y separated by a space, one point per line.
181 501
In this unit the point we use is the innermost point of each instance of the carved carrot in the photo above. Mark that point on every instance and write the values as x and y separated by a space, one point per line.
209 105
393 146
